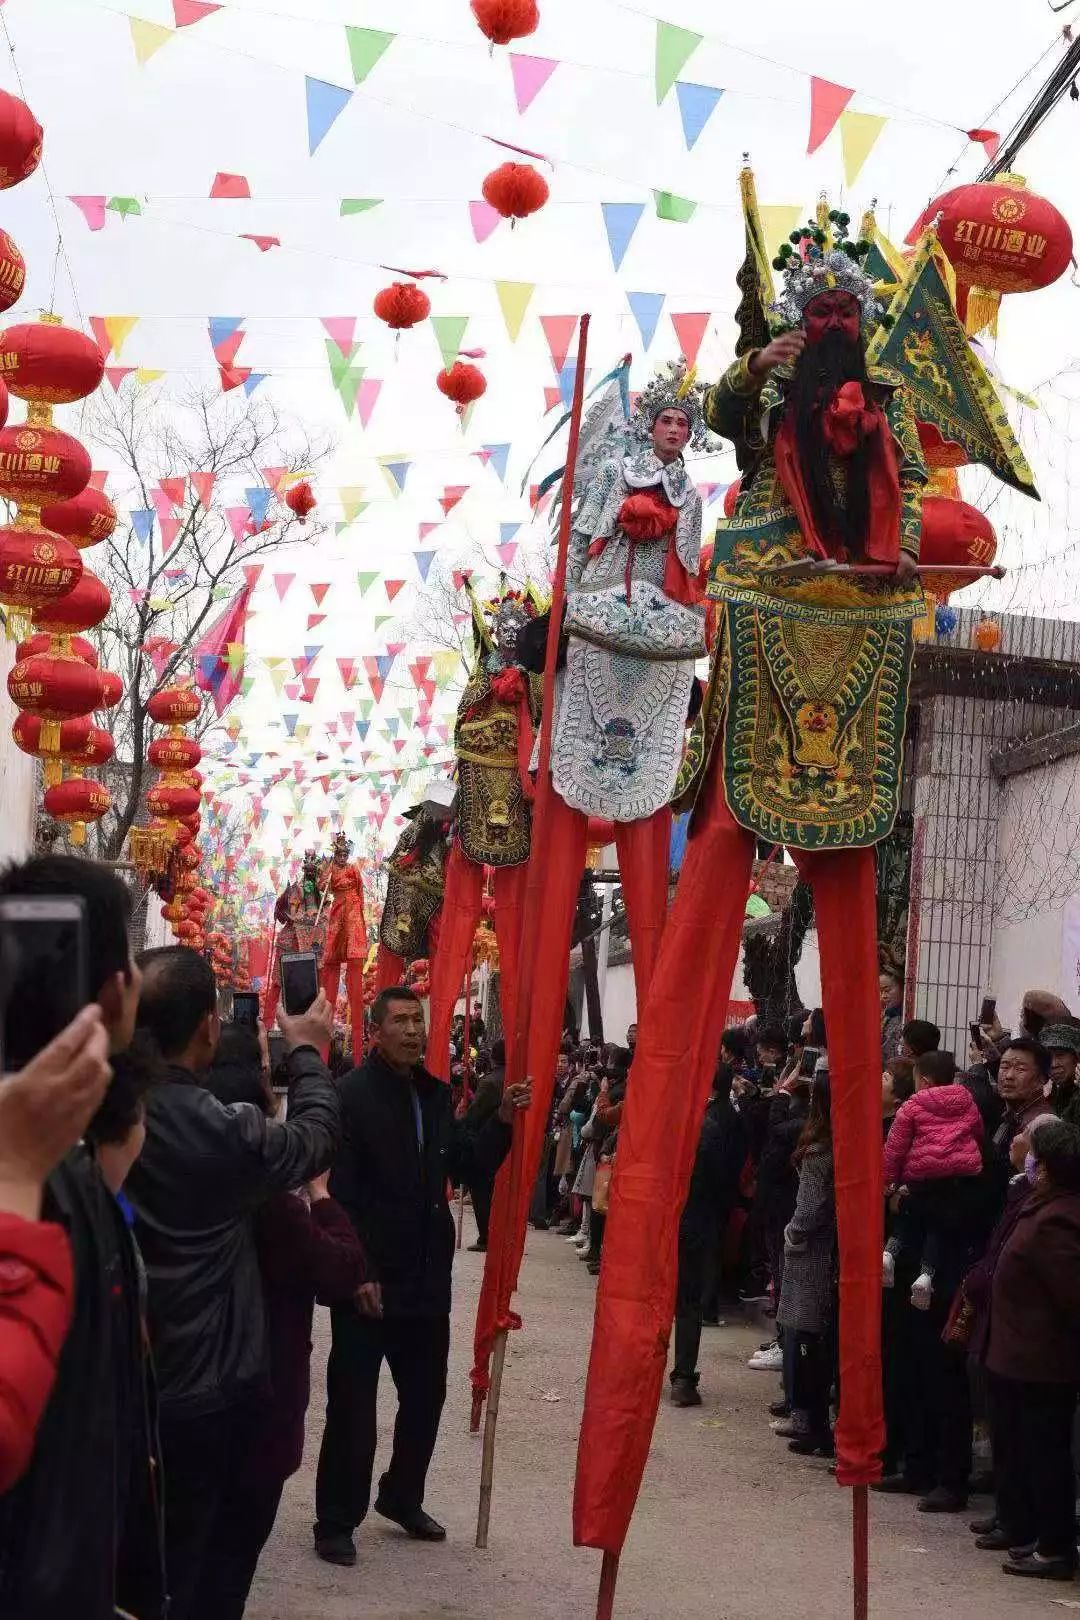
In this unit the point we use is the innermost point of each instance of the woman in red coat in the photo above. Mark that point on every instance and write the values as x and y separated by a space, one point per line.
1033 1363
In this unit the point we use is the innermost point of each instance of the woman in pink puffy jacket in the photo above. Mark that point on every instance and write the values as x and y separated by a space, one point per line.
934 1143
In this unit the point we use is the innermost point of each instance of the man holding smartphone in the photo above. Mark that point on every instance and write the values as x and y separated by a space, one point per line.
401 1145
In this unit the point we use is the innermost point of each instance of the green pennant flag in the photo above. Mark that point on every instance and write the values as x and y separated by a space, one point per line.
352 500
348 387
124 206
339 360
357 205
674 48
383 618
679 209
407 716
449 331
365 582
365 705
366 46
246 684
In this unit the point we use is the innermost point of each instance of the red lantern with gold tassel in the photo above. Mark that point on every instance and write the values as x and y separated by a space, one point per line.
42 643
81 608
63 741
20 141
515 190
54 687
86 520
170 801
112 687
462 383
954 533
47 363
300 500
402 305
36 567
504 20
174 706
41 464
174 753
75 802
12 272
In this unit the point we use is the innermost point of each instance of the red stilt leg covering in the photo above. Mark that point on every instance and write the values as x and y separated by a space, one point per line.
389 969
460 915
354 989
564 865
678 1040
644 848
330 982
271 1003
845 908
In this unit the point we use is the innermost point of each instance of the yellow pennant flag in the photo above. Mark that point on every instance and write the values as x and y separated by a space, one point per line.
117 329
144 374
446 664
148 37
514 299
858 132
352 501
778 220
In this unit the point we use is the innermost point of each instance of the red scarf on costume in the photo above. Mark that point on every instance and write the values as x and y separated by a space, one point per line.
648 515
848 422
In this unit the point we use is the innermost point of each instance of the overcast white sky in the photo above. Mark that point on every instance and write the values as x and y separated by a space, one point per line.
228 94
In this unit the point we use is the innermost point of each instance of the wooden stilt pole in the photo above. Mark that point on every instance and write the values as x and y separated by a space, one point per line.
487 1467
860 1551
609 1574
533 904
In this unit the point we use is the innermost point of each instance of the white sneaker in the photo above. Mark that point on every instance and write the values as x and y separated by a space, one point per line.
575 1237
581 1242
771 1360
921 1290
888 1269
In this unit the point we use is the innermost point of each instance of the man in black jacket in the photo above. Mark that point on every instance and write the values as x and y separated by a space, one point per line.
400 1146
204 1170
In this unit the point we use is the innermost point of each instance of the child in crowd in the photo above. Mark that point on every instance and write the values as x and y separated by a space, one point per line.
935 1140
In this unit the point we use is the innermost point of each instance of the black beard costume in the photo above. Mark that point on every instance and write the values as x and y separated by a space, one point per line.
821 369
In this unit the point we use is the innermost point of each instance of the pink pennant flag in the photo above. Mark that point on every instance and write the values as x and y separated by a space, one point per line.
366 397
483 219
395 647
163 506
292 690
988 139
136 595
392 588
827 102
225 351
559 331
314 619
116 375
425 529
237 518
347 671
530 74
507 552
187 12
273 476
263 243
319 593
230 185
98 480
282 583
450 496
252 574
690 329
175 489
460 576
552 397
203 485
310 685
92 210
340 329
233 377
170 528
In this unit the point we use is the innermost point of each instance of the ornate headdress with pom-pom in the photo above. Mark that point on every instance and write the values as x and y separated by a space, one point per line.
673 388
820 257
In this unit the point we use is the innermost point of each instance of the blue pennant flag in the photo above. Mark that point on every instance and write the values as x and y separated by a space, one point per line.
258 499
507 532
424 560
223 327
391 728
696 105
620 222
362 729
397 471
311 653
325 103
497 456
290 722
142 521
251 383
384 663
645 308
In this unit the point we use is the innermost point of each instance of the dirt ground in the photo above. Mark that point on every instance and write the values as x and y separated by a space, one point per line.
728 1526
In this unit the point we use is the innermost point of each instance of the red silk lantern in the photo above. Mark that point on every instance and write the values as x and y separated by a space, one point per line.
49 364
5 404
81 608
173 753
40 464
98 749
190 858
52 743
186 930
954 533
112 687
171 800
184 834
1000 238
300 500
12 272
174 706
20 141
75 802
731 495
402 305
504 20
190 825
85 521
987 635
36 567
515 190
462 383
42 643
54 687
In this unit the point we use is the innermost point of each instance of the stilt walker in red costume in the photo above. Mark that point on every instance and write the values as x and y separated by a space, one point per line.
493 825
409 927
635 626
346 937
798 742
301 926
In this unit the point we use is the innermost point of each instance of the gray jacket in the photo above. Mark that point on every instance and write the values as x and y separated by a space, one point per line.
806 1297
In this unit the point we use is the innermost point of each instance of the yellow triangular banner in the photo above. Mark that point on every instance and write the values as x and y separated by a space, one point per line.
351 497
145 375
858 132
514 299
117 329
446 666
778 220
148 37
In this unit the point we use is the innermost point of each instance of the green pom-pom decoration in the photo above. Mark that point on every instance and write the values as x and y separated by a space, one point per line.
888 322
845 219
796 236
786 250
834 216
778 263
819 238
849 249
862 246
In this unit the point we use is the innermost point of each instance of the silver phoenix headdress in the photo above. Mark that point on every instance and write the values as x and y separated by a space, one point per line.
820 257
673 388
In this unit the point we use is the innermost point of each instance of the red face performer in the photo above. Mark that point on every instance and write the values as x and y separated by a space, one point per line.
832 312
670 432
